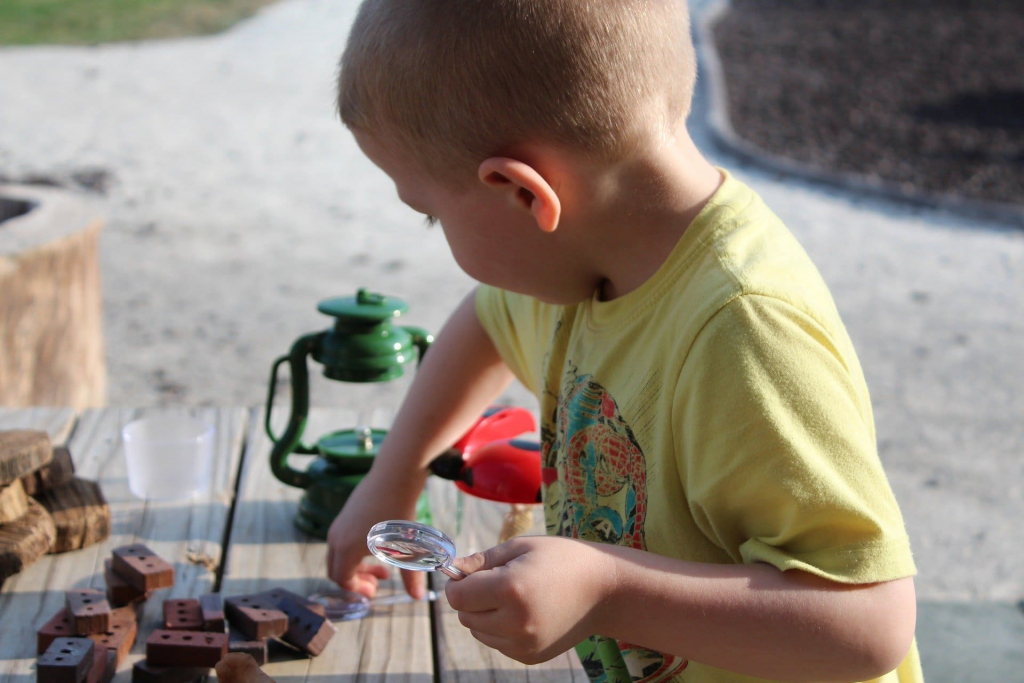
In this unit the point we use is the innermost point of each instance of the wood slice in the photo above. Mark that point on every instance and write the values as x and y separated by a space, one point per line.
13 502
26 540
80 513
51 334
60 471
23 451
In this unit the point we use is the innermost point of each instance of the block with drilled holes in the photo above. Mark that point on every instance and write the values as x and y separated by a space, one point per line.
275 595
144 672
67 660
89 609
120 637
257 649
255 616
307 630
104 666
59 626
142 568
183 614
119 591
185 648
212 606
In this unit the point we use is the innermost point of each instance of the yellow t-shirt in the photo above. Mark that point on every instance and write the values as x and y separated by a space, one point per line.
717 413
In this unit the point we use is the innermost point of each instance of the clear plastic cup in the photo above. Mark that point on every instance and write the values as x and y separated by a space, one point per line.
169 457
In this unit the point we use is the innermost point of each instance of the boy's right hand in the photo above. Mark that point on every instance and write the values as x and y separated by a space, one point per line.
377 498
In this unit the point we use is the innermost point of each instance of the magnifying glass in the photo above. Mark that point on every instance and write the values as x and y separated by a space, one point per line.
415 546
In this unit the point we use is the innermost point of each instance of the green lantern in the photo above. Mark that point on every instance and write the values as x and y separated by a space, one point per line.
363 346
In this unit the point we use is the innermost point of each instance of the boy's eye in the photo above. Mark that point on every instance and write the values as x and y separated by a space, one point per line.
429 221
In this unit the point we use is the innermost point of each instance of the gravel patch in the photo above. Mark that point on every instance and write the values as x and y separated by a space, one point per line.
923 96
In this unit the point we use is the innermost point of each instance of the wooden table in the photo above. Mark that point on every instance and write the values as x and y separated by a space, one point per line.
240 539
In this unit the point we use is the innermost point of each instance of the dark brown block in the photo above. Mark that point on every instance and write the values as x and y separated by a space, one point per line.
257 649
142 568
104 666
275 595
212 606
23 451
67 660
80 513
59 626
89 609
121 636
144 672
59 471
183 615
185 648
13 502
255 616
307 630
119 591
25 540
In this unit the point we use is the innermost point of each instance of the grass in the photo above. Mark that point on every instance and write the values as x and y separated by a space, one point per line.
78 22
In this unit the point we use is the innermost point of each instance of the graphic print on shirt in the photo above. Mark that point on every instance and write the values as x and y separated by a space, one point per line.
595 489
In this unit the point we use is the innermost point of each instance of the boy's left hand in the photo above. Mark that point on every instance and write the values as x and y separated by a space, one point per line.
533 597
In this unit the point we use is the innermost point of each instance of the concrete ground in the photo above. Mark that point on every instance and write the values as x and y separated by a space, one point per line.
236 201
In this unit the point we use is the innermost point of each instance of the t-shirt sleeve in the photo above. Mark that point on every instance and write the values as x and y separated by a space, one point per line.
511 321
776 448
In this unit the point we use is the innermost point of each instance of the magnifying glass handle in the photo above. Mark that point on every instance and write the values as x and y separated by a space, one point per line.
453 572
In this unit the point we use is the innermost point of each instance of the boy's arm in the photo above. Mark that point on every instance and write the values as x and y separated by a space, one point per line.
757 620
459 377
750 619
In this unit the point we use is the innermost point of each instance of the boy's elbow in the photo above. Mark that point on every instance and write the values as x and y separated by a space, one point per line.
887 630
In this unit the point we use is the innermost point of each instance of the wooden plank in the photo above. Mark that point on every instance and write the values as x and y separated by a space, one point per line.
475 524
267 550
188 534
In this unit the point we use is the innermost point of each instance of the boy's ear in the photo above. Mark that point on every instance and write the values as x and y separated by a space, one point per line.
524 187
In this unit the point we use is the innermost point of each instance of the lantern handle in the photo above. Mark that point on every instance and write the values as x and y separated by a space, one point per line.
291 441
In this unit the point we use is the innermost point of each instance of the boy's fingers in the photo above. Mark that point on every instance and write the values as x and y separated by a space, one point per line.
475 593
498 556
484 622
378 570
415 583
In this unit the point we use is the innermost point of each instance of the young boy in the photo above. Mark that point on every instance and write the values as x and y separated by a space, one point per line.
711 483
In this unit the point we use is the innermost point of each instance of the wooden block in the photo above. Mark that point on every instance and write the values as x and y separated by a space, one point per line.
23 451
121 637
67 660
104 666
25 540
185 648
59 626
80 513
13 502
275 595
255 616
257 649
142 568
144 672
212 606
183 615
59 471
307 630
119 591
236 667
89 609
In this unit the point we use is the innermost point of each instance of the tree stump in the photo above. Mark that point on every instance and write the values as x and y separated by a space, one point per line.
51 334
80 514
26 540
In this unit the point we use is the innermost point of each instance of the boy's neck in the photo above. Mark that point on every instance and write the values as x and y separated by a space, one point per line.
638 211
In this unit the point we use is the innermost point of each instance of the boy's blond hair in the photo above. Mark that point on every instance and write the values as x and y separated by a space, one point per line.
456 81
